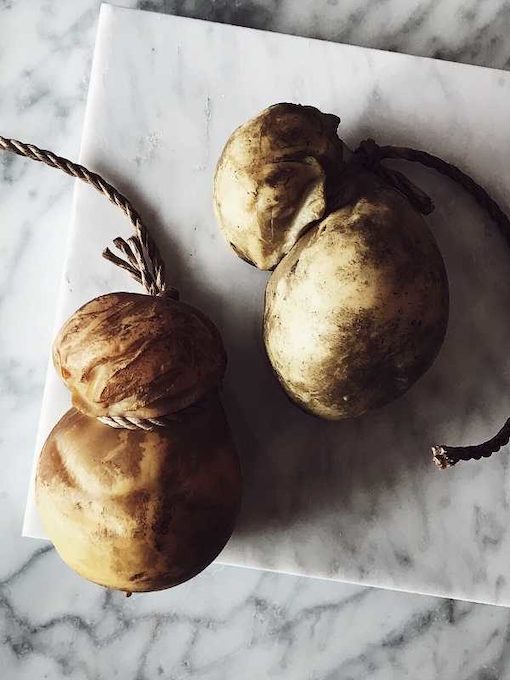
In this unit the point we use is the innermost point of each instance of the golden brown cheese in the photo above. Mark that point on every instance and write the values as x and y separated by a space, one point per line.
135 510
138 355
271 180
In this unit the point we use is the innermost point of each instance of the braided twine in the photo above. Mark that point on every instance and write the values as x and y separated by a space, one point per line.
141 258
143 261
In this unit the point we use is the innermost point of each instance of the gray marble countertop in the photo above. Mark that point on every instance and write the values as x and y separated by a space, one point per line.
227 623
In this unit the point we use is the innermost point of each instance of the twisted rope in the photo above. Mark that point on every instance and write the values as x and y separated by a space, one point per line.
373 154
150 424
446 456
369 154
142 259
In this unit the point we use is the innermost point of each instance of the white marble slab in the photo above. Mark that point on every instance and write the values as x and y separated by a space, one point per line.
357 501
227 623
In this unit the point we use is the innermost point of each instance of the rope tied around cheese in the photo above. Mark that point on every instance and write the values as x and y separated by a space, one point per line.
370 155
142 259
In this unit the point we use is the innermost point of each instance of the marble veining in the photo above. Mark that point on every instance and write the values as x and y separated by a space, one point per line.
233 623
228 623
459 30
